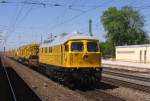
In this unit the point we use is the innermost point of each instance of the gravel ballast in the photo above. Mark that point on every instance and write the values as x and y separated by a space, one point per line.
129 94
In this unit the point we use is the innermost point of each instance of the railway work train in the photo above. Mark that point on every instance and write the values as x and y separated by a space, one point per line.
27 53
73 58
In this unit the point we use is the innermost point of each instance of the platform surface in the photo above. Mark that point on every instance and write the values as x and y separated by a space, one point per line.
129 64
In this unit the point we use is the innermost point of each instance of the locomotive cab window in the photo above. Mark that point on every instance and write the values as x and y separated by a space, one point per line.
77 46
92 47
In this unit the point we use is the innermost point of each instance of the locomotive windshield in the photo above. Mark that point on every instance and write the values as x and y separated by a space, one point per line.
92 47
77 46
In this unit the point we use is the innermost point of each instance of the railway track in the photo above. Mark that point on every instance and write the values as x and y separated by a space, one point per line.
13 88
122 78
100 95
94 95
5 90
126 75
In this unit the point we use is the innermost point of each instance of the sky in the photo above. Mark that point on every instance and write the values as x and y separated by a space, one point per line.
22 22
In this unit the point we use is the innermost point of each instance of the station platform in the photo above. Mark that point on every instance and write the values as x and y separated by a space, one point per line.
126 65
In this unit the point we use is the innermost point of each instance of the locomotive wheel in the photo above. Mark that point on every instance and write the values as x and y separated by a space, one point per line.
69 82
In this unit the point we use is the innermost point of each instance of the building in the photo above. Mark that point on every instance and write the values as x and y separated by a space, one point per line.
133 53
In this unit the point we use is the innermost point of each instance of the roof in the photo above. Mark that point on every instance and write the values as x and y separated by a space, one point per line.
29 45
133 46
64 38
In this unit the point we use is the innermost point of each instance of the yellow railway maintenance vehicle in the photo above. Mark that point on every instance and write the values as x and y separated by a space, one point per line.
28 54
73 58
13 53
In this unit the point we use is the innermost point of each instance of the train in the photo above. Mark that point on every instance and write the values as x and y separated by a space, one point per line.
73 58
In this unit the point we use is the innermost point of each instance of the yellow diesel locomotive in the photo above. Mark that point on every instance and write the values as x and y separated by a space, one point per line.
74 57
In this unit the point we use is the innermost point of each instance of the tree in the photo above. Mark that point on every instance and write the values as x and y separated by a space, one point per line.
124 26
107 49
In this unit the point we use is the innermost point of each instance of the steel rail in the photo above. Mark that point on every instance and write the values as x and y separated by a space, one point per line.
13 93
125 75
117 82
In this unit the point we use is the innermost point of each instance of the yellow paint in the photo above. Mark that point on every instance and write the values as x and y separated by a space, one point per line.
58 56
25 52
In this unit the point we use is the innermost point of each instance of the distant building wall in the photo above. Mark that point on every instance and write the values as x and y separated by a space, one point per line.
134 53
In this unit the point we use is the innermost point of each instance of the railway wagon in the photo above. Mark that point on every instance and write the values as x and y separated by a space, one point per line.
29 54
72 58
12 53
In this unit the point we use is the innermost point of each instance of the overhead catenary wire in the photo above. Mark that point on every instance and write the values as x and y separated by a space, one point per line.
77 16
75 7
65 11
26 13
12 26
46 4
97 24
18 16
71 7
39 2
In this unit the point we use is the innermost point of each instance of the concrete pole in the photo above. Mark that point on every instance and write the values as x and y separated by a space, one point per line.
90 27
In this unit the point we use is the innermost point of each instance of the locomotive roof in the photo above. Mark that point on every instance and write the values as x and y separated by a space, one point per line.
134 46
64 38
